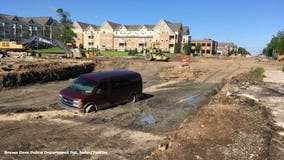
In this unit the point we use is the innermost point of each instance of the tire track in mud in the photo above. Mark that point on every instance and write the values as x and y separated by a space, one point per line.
224 73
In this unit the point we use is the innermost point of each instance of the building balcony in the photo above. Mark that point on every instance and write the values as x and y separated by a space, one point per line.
143 41
122 41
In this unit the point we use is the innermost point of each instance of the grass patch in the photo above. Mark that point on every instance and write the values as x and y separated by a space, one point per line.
259 70
255 75
113 53
49 50
258 73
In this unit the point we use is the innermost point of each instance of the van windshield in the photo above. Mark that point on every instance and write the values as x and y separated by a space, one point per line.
83 85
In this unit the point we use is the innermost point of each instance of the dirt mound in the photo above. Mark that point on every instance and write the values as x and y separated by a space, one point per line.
225 129
251 77
179 73
24 73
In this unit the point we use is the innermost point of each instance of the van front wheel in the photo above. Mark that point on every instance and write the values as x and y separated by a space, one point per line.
132 98
90 108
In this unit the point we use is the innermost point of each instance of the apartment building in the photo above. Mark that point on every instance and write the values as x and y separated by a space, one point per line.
79 28
186 38
226 48
207 47
164 35
15 28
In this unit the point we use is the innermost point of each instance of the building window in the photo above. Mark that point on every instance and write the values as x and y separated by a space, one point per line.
208 44
203 44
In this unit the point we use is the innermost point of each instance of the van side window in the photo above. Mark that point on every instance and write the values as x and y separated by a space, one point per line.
102 87
125 81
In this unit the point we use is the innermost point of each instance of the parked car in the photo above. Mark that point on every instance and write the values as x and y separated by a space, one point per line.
94 91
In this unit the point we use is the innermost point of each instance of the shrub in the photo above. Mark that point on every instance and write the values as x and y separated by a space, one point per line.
133 52
259 70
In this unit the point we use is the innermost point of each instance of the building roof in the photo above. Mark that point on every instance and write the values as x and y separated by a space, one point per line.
150 27
226 44
11 17
132 27
114 25
173 26
83 25
42 20
201 41
28 20
96 27
185 30
36 20
3 16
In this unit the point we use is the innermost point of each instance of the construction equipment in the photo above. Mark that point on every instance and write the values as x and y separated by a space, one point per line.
36 40
280 57
155 54
11 45
32 42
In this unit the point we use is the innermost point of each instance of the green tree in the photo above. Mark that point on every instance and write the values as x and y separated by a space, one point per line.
65 32
275 46
198 47
243 51
186 48
177 47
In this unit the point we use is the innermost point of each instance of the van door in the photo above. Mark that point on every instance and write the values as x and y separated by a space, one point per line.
102 95
119 91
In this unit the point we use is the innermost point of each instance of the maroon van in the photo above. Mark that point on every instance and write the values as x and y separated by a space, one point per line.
94 91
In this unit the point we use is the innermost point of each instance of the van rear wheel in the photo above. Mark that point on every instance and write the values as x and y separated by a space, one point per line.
90 108
132 98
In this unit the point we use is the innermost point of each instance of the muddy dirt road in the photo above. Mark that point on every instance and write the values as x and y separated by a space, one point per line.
33 127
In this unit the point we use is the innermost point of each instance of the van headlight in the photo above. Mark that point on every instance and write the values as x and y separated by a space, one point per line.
60 96
78 103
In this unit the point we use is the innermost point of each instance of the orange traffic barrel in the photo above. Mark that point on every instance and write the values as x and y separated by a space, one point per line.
184 61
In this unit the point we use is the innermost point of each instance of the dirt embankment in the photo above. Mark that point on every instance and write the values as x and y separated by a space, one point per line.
229 127
19 73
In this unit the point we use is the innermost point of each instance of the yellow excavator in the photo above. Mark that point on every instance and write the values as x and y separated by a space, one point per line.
280 57
11 45
32 42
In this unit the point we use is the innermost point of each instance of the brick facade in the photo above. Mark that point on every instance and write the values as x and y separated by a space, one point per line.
164 35
208 47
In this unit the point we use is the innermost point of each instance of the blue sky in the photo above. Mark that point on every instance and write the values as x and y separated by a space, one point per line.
248 23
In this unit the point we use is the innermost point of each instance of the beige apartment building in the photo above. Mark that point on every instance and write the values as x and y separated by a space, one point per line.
208 47
226 48
164 35
15 28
